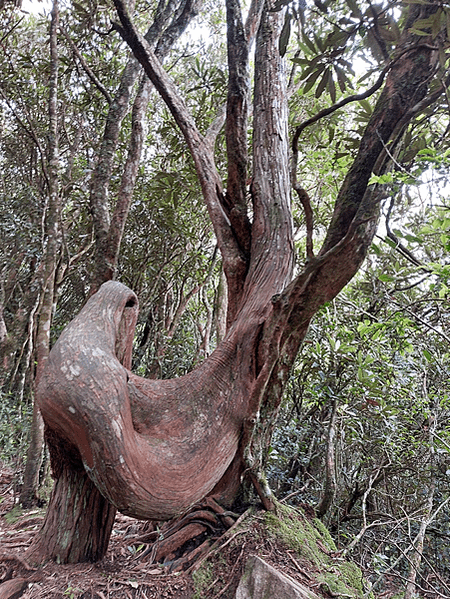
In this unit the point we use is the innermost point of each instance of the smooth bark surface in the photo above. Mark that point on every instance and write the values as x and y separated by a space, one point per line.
166 442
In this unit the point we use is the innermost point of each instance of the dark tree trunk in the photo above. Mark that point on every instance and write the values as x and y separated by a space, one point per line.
79 520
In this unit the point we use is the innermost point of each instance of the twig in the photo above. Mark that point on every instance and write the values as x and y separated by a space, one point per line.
411 546
397 575
11 30
365 526
230 576
327 111
309 218
297 565
89 72
422 321
441 440
293 494
354 97
215 546
399 246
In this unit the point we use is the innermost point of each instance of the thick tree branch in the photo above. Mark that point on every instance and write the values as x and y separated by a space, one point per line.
236 126
272 231
187 10
349 235
234 263
163 85
167 38
406 86
253 19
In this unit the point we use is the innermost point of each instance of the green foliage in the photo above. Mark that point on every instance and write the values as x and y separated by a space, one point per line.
380 351
13 515
14 423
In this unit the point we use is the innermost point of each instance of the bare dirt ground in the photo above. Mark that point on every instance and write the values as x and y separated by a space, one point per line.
126 572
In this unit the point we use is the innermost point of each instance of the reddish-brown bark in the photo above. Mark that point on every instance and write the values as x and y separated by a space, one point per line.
13 589
166 442
79 520
155 448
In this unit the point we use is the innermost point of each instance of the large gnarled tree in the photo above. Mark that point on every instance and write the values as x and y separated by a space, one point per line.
154 448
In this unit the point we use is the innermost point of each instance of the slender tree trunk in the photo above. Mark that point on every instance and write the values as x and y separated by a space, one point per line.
35 455
87 534
168 25
35 452
329 491
101 218
416 559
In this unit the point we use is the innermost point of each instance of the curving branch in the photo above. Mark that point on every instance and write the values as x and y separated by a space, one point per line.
168 443
201 151
89 72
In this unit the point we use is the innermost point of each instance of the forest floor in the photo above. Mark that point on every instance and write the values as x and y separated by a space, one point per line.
125 572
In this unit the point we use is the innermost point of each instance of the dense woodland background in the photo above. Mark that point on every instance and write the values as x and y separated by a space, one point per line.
363 434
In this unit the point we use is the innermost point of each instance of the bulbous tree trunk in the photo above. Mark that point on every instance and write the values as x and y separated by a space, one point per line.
155 448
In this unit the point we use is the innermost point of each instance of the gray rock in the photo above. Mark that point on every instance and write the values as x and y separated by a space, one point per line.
262 581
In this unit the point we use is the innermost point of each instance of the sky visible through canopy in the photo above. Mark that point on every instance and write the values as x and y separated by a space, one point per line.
36 7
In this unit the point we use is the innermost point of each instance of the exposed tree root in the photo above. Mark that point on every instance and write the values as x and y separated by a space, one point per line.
181 543
13 589
5 557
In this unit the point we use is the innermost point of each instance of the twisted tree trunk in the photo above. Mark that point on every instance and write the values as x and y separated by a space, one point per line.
155 448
